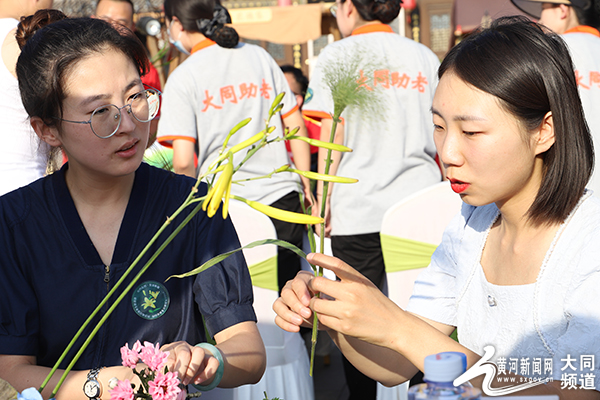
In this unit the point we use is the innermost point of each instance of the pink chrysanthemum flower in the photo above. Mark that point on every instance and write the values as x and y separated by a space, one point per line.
164 386
123 391
153 357
182 395
131 357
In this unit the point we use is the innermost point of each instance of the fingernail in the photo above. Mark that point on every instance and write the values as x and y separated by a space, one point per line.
305 312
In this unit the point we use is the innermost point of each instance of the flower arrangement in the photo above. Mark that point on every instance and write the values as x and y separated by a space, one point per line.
157 383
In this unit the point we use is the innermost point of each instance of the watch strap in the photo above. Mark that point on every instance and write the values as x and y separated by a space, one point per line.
93 374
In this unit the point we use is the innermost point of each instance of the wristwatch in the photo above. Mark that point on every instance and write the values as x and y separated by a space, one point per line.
91 387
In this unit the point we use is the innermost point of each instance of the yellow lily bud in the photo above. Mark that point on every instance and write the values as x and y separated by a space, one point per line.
323 177
291 133
325 145
218 160
276 103
283 168
226 201
277 109
236 128
217 170
247 142
207 198
282 215
220 188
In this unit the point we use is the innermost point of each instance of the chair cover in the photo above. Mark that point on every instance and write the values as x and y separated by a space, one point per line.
159 156
287 374
326 250
410 232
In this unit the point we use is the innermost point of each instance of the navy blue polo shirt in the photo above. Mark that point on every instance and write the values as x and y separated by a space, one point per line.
52 278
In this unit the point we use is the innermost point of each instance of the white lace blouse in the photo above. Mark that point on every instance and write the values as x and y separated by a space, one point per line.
556 318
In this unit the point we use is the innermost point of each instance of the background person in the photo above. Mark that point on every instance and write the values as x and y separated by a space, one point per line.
121 12
299 86
23 158
393 151
518 267
222 83
95 215
578 22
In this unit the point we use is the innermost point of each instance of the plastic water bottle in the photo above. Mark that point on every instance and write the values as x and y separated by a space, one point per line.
440 371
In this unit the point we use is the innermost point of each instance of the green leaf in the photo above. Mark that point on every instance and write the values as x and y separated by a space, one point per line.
221 257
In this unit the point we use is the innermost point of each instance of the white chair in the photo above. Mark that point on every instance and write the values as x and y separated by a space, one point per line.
326 250
287 374
410 231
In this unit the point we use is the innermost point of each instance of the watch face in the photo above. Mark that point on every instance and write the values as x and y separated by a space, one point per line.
91 389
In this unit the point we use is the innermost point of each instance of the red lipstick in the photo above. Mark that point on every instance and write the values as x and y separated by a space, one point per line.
458 186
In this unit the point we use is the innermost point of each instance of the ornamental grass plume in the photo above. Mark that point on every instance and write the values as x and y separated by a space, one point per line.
346 81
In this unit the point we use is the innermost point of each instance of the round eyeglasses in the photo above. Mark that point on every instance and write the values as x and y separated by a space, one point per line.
105 120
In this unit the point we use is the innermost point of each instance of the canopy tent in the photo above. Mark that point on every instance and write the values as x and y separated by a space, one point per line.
282 25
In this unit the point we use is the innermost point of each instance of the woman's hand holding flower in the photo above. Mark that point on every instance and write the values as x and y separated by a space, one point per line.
292 308
193 364
352 306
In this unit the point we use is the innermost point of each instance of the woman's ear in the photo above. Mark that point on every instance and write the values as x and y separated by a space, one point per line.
48 134
350 9
544 138
178 25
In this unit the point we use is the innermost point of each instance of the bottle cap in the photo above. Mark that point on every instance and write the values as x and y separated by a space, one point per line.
444 367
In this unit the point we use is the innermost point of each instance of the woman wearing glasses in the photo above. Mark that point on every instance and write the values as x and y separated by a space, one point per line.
393 151
68 238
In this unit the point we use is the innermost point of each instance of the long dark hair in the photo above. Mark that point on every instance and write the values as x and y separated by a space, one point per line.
530 71
205 16
52 51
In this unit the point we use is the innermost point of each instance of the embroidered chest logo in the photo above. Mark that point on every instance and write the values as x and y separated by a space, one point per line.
150 300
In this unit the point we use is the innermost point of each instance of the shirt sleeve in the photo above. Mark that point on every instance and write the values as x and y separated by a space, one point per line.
223 292
151 78
19 312
435 291
318 103
178 110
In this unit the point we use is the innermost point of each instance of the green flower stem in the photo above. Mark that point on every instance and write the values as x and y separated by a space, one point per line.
128 288
319 271
188 201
